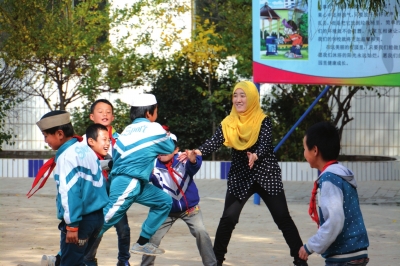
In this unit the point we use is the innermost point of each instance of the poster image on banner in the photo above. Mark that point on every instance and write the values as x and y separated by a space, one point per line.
299 43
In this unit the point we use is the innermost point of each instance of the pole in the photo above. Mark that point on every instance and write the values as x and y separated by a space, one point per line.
256 196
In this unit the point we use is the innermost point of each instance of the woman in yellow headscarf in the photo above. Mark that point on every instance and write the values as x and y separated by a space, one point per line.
254 169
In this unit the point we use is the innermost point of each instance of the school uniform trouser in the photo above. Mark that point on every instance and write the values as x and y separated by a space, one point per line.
280 213
124 191
89 228
124 240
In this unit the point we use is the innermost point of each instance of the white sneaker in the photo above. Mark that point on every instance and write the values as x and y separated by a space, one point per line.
48 260
148 249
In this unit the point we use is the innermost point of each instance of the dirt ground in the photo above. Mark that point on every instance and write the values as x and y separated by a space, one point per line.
28 229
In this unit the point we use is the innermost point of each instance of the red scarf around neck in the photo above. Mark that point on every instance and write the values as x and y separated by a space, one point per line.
312 209
110 134
171 172
47 167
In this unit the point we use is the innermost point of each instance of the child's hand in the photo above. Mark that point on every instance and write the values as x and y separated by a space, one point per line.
72 237
182 157
252 158
191 154
303 253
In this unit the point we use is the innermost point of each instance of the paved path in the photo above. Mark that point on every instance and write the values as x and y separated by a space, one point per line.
28 227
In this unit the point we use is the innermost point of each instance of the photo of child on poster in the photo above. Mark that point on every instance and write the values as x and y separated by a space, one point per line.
283 30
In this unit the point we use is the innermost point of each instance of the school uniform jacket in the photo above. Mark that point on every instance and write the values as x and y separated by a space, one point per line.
80 184
137 147
342 235
184 177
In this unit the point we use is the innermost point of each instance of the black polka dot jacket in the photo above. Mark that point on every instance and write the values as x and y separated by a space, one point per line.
265 171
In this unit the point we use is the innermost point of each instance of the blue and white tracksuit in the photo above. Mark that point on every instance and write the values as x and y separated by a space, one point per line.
122 227
134 153
80 199
342 235
185 172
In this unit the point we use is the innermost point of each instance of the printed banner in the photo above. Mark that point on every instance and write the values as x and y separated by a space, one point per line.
299 44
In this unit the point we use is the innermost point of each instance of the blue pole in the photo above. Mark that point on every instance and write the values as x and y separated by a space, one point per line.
256 196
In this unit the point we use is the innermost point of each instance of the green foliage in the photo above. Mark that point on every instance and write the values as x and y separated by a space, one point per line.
233 20
303 27
65 44
184 107
11 79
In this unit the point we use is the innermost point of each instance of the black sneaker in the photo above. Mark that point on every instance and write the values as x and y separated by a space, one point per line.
126 263
300 262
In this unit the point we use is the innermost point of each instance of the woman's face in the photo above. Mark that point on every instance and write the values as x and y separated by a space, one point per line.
239 100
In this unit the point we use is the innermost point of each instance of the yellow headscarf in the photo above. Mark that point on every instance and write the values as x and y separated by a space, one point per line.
241 129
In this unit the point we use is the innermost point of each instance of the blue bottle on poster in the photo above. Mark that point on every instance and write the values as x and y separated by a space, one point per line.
272 45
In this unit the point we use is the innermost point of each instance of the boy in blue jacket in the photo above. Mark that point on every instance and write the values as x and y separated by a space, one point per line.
80 185
176 179
134 153
341 237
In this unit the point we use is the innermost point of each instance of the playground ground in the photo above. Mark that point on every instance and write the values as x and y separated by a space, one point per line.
28 227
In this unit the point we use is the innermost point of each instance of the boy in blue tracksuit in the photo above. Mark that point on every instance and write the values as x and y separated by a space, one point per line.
175 177
341 238
134 153
80 184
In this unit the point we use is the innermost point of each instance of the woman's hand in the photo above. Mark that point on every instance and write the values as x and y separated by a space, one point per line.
252 158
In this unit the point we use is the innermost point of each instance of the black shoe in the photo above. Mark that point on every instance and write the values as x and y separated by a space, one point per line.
126 263
300 262
219 263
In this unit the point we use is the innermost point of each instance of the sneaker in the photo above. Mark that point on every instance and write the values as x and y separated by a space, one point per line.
300 262
120 263
147 249
48 260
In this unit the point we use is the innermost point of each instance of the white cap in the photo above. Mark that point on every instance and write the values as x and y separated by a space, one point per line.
173 137
145 99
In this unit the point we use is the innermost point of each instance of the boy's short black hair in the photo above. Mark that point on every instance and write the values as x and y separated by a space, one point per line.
92 131
325 136
101 101
140 111
68 129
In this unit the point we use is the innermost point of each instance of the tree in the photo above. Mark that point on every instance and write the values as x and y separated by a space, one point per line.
65 44
233 20
289 102
183 105
12 81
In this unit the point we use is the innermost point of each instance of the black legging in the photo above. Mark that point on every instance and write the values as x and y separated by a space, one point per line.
280 213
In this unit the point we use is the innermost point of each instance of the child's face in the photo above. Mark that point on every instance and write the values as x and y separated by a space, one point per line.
309 155
165 158
101 144
154 116
102 114
239 100
54 140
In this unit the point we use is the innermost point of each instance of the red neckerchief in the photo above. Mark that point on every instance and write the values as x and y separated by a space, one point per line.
171 172
110 134
312 209
105 174
47 167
